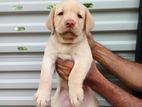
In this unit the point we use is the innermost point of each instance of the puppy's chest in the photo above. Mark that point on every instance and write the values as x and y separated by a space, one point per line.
66 51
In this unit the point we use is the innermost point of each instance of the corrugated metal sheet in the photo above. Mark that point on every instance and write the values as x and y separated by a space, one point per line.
23 36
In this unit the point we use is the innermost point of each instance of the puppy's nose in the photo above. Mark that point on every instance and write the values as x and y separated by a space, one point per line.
70 23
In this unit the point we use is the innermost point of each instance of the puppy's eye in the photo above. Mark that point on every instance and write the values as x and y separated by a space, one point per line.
60 14
79 16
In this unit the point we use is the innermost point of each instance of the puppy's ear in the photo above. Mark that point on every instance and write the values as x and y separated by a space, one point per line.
50 21
89 23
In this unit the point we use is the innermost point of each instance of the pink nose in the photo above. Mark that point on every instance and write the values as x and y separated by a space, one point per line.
70 23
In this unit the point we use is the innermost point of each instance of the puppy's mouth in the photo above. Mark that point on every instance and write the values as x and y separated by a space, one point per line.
68 33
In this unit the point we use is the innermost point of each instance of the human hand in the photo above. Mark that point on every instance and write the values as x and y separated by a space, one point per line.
64 68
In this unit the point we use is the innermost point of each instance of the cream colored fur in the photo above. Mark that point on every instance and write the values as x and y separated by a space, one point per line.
70 45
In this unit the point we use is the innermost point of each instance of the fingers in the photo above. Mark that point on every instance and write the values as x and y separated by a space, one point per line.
64 68
89 36
63 74
59 66
65 64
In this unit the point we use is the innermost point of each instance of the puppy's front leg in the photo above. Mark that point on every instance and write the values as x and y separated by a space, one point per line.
76 78
42 96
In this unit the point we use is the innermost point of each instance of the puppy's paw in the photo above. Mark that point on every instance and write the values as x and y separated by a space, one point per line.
76 95
42 98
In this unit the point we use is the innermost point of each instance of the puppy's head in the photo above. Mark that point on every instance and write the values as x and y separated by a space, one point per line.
70 19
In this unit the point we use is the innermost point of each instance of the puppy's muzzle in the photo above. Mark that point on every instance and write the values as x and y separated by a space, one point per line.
70 23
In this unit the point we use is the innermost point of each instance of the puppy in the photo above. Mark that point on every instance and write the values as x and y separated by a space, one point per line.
69 23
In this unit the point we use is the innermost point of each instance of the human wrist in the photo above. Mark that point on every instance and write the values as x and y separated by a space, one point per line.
102 54
94 76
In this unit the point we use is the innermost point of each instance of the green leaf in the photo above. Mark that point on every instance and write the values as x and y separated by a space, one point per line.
18 7
22 48
51 6
88 5
20 28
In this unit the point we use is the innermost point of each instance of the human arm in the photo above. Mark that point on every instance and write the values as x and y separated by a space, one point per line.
127 71
113 94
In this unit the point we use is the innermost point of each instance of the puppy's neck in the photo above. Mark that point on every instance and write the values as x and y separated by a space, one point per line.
69 39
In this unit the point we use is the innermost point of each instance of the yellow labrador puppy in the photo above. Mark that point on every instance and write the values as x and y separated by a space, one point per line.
69 23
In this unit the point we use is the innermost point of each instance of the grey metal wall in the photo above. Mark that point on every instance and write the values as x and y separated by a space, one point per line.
23 36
